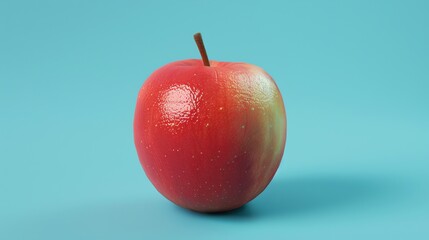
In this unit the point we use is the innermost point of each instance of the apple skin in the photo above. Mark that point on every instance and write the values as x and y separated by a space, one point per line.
210 139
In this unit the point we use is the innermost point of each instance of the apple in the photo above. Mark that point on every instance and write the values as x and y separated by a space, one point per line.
209 135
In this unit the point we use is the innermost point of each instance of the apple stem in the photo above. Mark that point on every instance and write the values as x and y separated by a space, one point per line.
199 40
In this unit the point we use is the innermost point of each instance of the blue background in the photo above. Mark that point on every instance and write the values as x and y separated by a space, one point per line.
354 76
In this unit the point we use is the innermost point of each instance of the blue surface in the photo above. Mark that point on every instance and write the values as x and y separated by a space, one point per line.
354 76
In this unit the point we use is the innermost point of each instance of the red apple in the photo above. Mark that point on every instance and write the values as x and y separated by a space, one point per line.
210 136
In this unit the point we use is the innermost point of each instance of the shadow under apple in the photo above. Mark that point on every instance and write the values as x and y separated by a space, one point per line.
300 196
